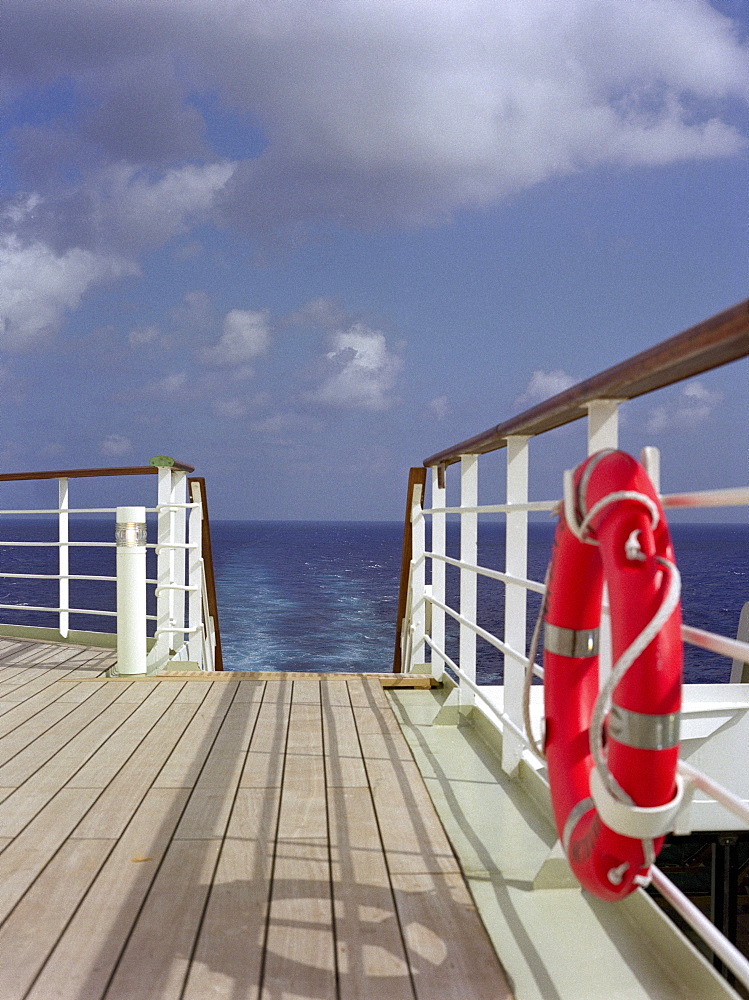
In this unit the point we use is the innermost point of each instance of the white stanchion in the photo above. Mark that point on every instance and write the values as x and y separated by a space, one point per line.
130 536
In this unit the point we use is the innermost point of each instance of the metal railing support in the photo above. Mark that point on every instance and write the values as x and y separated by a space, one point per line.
63 555
416 477
469 497
603 432
165 561
439 547
212 634
199 628
178 523
516 564
130 536
603 424
418 577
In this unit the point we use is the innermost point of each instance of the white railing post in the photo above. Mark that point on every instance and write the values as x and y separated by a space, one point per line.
603 424
199 633
439 547
130 537
418 577
178 521
63 505
469 497
516 564
165 561
603 432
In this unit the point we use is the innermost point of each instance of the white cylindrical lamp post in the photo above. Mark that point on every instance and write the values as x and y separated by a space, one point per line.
130 536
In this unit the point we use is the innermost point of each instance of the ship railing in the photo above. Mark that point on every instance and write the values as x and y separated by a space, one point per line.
184 628
423 607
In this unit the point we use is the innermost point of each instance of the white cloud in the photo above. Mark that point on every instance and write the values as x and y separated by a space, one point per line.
39 286
378 111
325 313
694 405
245 336
142 209
284 428
438 408
168 385
141 335
232 409
115 445
543 385
359 372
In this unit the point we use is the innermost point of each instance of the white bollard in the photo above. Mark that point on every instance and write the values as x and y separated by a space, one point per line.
130 535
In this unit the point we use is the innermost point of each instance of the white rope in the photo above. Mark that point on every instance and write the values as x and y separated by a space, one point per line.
603 702
535 746
642 498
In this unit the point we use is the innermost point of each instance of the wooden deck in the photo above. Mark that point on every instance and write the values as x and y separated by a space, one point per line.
242 838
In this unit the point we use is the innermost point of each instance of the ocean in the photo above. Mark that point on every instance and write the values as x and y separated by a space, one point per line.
323 596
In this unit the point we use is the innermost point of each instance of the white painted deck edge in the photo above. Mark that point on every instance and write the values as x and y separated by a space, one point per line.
556 944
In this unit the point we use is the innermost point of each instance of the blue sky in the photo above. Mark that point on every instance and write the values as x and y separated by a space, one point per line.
302 246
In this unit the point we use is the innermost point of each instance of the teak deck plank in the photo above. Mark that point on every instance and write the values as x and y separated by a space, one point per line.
36 923
260 839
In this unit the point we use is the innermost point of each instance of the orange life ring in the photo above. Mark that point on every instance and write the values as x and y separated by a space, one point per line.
625 542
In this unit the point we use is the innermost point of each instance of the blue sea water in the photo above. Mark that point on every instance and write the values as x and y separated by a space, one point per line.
323 595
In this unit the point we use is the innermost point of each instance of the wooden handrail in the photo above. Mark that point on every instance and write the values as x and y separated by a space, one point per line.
198 495
130 470
416 477
710 344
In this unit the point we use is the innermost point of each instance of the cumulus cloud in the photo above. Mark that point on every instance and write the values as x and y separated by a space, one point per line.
438 408
38 286
231 408
377 112
693 406
115 445
168 385
141 335
325 313
360 372
283 428
245 336
140 210
543 385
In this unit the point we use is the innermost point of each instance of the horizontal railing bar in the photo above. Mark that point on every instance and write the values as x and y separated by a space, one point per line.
498 508
57 544
716 791
502 716
70 611
130 470
734 649
175 506
58 576
732 496
64 510
713 938
737 496
710 344
181 631
486 636
493 574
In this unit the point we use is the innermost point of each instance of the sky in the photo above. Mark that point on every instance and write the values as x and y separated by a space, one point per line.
302 246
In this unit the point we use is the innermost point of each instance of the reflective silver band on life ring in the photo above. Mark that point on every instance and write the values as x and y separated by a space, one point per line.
570 641
642 731
576 814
